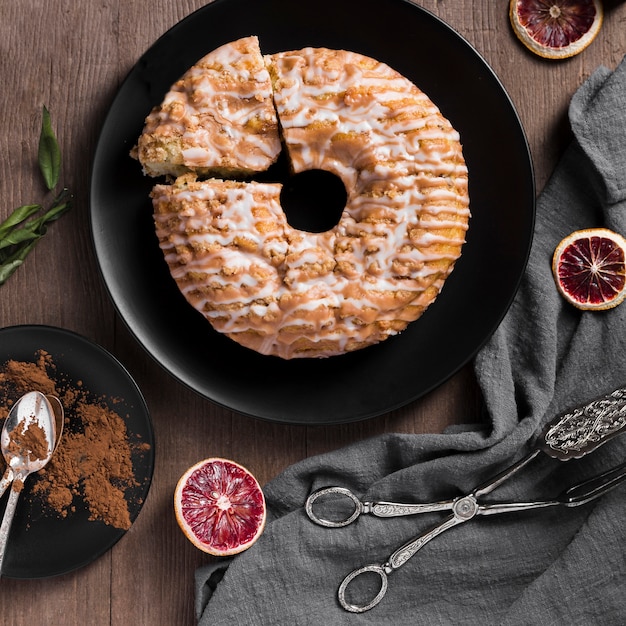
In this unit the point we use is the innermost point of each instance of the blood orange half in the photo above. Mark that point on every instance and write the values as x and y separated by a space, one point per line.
220 507
589 268
556 29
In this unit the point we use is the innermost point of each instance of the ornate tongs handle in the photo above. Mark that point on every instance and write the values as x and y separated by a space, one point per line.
583 429
379 509
463 510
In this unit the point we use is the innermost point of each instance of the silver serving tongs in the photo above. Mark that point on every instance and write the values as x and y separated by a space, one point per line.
570 436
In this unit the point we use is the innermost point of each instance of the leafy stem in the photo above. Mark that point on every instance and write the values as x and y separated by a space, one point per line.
27 224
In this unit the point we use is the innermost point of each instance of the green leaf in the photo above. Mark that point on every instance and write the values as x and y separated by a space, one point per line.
49 152
6 269
62 203
37 227
20 236
19 215
15 260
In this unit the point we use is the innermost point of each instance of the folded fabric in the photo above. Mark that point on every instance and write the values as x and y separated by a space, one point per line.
558 565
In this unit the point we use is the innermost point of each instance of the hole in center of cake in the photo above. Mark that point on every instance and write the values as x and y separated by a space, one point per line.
314 200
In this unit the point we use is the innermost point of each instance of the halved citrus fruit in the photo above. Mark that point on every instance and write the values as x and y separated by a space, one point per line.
556 29
589 268
220 507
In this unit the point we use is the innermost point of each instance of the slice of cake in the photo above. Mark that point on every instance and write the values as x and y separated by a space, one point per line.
218 119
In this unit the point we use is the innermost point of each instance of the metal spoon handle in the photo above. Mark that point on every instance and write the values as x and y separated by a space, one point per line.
6 480
583 429
6 521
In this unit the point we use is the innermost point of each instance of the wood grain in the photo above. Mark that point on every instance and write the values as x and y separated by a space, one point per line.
72 57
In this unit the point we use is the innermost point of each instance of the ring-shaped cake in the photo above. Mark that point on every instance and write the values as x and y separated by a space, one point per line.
269 286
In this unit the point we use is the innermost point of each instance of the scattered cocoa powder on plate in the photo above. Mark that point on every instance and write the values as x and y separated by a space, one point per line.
93 461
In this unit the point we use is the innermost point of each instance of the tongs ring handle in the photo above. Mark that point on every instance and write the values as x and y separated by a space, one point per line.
341 491
361 608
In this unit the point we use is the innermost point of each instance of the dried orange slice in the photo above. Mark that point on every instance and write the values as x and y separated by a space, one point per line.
589 268
220 507
556 29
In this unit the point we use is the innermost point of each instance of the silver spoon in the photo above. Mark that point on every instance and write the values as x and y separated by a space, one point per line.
32 411
59 419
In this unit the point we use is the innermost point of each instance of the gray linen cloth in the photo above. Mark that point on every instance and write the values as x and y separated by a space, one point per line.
550 566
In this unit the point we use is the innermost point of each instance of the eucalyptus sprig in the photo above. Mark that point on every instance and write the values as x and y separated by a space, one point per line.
27 224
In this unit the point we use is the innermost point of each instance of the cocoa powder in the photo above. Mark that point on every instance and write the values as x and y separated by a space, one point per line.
93 461
29 440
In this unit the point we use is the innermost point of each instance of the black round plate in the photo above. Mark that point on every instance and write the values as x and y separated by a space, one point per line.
40 542
377 379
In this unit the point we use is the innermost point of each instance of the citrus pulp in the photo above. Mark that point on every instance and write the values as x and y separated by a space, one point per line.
220 506
589 268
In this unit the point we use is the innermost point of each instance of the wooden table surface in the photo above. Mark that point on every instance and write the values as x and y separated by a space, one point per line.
72 57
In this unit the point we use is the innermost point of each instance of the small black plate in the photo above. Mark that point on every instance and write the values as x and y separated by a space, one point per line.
40 542
377 379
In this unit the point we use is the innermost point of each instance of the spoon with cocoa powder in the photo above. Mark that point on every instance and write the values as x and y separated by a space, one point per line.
27 442
59 418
